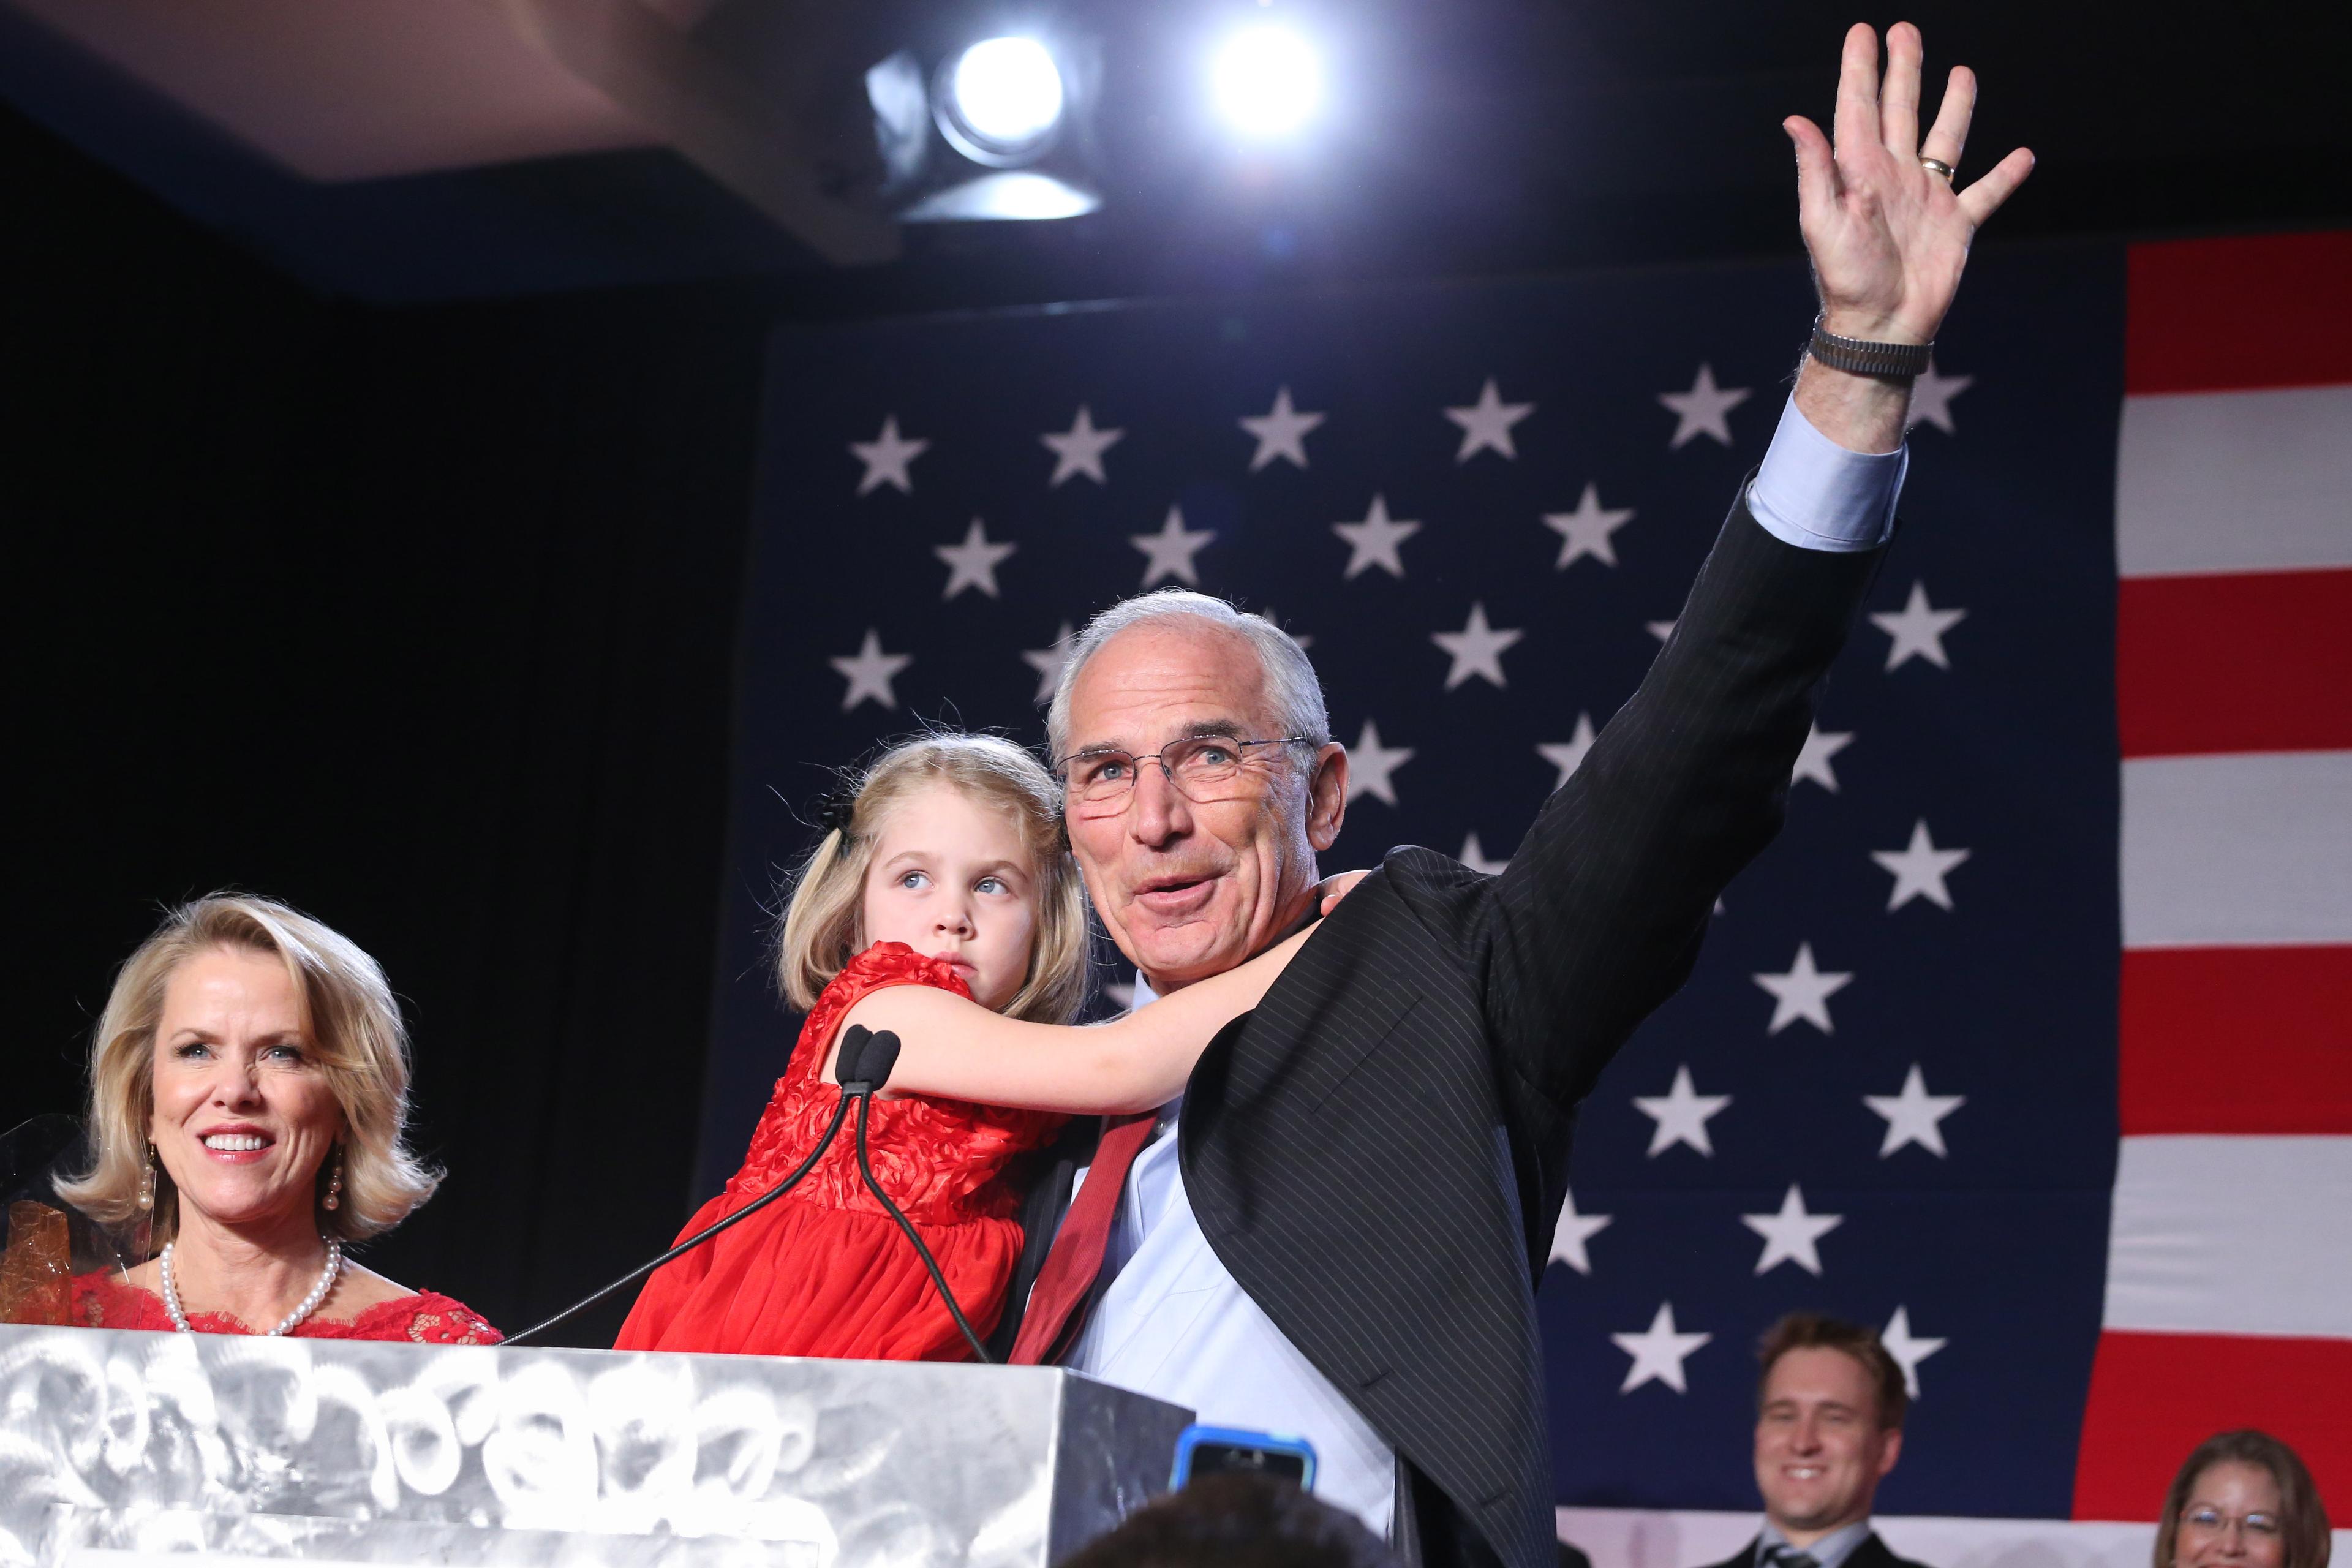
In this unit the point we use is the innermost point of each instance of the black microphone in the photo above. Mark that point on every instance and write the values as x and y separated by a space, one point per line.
866 1060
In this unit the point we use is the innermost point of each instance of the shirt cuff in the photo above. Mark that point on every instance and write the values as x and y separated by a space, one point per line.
1815 494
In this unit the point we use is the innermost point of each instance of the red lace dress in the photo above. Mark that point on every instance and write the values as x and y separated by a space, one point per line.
101 1300
824 1270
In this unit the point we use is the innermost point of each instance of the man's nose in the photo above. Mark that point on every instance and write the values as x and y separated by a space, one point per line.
1159 812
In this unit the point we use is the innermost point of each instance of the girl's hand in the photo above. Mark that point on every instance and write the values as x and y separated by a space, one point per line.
1331 889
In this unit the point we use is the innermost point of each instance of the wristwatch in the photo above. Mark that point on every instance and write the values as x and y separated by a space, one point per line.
1859 357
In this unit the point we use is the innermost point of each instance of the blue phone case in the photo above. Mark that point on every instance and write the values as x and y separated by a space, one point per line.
1195 1436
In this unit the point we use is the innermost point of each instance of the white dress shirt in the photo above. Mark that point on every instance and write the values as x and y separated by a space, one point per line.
1172 1322
1815 494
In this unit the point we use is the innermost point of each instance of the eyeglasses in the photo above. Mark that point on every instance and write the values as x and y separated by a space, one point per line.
2213 1518
1198 769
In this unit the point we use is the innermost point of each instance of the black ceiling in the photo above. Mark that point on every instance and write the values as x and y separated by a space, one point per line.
1471 136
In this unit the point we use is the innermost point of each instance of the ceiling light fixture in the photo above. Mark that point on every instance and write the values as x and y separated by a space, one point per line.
1000 102
1266 81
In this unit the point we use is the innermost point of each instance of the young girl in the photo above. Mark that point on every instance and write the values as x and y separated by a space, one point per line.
948 876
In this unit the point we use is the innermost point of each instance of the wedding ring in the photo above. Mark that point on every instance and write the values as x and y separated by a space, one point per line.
1936 166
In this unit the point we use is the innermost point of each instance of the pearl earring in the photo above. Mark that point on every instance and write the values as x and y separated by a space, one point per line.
147 1181
335 1184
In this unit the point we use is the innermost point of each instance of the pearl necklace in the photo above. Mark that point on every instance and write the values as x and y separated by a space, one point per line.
302 1309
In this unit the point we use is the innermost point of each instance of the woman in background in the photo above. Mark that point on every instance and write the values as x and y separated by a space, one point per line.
249 1091
2243 1499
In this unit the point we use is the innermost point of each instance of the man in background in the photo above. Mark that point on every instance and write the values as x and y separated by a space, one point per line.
1829 1428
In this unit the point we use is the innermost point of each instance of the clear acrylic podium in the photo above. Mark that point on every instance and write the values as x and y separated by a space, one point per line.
122 1447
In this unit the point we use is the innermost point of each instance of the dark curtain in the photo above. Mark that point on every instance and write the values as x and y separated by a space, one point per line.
421 620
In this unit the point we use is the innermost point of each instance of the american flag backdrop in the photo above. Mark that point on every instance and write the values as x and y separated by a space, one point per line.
2028 1046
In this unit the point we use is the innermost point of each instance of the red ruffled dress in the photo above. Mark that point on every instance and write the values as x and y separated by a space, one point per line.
102 1302
824 1270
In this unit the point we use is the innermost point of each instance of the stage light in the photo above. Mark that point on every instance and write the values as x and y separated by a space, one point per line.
1000 102
1267 80
1022 109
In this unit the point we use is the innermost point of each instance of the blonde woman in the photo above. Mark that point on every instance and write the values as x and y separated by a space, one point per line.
248 1092
943 879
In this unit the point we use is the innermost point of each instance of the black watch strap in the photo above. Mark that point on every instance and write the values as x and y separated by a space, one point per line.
1859 357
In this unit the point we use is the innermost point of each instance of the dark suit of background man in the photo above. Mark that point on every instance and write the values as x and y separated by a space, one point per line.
1343 1236
1829 1426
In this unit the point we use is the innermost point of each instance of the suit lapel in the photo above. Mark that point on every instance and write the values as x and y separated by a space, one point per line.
1872 1552
1344 1153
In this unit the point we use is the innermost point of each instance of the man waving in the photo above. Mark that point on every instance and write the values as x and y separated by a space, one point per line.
1338 1228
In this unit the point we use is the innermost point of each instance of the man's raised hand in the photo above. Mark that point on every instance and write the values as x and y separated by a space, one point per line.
1888 237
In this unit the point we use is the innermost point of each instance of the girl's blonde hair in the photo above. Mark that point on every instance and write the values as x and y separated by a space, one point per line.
349 1022
822 924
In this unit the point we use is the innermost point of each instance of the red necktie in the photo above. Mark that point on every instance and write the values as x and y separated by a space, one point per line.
1077 1257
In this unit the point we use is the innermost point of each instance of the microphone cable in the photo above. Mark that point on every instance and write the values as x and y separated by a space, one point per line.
864 1064
874 1065
699 1237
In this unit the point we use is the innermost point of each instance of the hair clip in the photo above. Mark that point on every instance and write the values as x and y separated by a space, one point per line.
839 810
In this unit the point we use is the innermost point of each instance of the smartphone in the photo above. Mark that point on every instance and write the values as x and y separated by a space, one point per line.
1222 1450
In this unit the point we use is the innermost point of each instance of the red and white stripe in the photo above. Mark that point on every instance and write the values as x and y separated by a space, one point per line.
2229 1299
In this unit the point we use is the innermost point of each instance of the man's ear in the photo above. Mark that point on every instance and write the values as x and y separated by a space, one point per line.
1890 1451
1327 795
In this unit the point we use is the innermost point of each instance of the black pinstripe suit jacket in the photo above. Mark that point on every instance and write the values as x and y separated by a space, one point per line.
1378 1152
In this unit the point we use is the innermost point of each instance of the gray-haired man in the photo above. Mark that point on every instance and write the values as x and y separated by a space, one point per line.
1337 1230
